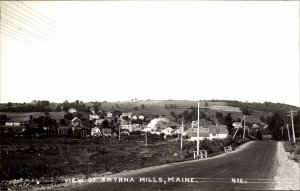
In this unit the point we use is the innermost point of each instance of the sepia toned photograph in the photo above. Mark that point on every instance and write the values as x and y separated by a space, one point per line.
149 95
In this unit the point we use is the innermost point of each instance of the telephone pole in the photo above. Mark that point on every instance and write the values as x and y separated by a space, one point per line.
181 134
198 128
292 121
146 138
287 126
244 127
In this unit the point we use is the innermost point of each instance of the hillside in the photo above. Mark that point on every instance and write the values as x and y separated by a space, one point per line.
173 109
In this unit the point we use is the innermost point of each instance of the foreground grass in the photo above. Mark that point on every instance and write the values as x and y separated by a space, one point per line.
52 160
294 150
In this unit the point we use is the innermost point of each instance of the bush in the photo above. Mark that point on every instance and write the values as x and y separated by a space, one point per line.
258 135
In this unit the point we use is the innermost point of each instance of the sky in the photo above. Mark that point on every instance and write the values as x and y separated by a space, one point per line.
121 50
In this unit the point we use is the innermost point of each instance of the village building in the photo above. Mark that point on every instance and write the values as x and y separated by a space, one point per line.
109 115
134 117
94 116
76 122
96 132
72 110
127 114
237 125
141 117
13 124
167 131
107 132
209 132
127 127
98 122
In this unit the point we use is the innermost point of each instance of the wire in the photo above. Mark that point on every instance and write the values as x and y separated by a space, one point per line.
25 30
7 34
36 14
22 29
19 12
15 33
39 31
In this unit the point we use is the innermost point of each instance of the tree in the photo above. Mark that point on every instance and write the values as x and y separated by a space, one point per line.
258 135
275 122
228 123
69 116
135 108
206 104
220 117
142 106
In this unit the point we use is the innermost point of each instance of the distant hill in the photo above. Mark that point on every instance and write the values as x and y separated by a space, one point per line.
172 109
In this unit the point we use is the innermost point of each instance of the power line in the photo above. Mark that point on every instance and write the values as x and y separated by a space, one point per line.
7 34
24 15
36 14
24 30
7 29
34 28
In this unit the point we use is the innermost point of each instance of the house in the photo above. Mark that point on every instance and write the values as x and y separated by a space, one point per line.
127 114
167 131
141 117
94 116
209 132
72 110
237 125
134 117
106 132
98 121
137 127
96 132
109 114
13 124
125 132
79 131
128 127
76 122
147 129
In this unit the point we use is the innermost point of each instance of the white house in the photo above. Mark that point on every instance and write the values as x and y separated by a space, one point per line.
109 114
127 127
134 117
237 125
210 132
13 124
72 110
94 116
76 122
98 121
96 132
127 114
141 117
167 131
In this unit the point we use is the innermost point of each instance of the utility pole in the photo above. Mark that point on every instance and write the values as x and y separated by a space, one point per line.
287 126
244 127
119 132
182 129
292 120
146 138
198 128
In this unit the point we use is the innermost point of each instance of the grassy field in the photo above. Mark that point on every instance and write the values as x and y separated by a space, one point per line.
294 150
36 158
24 116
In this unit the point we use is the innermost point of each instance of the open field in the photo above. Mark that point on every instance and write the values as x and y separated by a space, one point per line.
24 116
56 157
